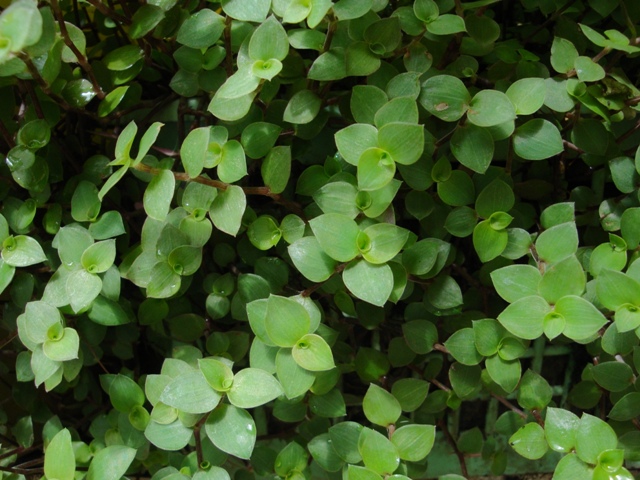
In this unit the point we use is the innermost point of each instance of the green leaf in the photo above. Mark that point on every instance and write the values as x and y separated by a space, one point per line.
414 442
495 197
158 195
446 24
563 278
593 437
337 235
125 393
529 441
525 317
376 169
366 100
516 281
588 70
123 58
583 319
217 374
85 204
269 41
527 95
560 429
420 335
489 108
311 260
534 392
6 275
613 376
145 19
537 139
63 347
111 462
380 407
461 345
276 168
233 165
627 408
313 353
82 288
371 283
558 242
403 141
294 379
59 459
227 209
172 437
350 9
247 10
381 242
488 242
353 140
258 138
616 289
194 150
232 430
322 451
286 321
264 233
22 251
505 373
473 147
570 467
563 55
201 30
338 197
39 318
99 257
445 97
302 108
253 387
190 393
377 451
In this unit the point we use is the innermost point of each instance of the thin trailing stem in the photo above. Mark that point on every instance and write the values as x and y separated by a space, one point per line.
108 12
463 464
6 135
228 62
509 405
82 60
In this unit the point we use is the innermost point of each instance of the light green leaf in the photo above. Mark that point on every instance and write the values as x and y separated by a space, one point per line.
403 141
593 437
201 29
583 319
194 150
232 430
377 451
276 168
99 257
311 260
286 321
414 442
371 283
337 235
59 459
516 281
302 108
111 462
190 393
354 140
525 317
313 353
227 209
247 10
527 95
537 139
446 24
381 242
253 387
158 195
82 288
125 393
529 441
22 251
294 379
489 108
445 97
376 169
64 347
269 41
380 407
558 242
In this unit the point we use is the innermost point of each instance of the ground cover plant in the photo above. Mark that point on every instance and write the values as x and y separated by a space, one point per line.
294 239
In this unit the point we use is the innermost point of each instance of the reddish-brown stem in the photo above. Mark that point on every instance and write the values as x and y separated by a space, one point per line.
108 12
509 405
82 60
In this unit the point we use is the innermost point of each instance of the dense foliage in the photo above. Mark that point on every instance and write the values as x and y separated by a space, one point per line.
315 239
